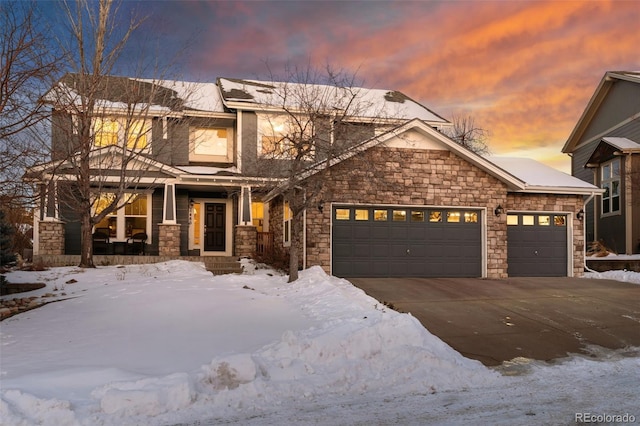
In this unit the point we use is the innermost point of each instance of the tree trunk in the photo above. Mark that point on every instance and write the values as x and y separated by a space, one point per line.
86 245
296 245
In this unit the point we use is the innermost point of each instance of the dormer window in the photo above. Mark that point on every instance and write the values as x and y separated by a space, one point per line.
611 185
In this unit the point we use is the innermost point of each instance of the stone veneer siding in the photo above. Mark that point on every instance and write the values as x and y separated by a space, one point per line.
410 177
246 240
51 237
169 239
557 204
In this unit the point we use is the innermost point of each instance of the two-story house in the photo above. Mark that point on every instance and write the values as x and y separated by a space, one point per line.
605 150
422 206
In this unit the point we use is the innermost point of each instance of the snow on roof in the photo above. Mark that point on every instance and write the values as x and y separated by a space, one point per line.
206 170
534 173
159 96
198 96
622 143
367 103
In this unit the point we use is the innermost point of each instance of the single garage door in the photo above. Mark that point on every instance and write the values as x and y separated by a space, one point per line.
406 242
537 245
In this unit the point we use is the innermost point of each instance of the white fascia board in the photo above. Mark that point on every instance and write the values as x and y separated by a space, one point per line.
236 180
561 190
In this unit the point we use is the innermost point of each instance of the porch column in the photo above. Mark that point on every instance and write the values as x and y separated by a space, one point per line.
169 204
49 231
244 206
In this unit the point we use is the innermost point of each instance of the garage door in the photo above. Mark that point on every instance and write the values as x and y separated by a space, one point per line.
536 245
406 242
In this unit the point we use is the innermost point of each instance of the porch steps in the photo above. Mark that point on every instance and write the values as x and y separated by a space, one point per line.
216 265
222 265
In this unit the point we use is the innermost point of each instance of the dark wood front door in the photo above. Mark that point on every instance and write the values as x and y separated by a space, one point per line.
214 227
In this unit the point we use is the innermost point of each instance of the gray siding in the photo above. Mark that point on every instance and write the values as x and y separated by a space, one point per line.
622 102
249 142
630 130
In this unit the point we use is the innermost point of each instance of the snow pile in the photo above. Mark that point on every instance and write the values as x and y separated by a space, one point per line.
162 343
621 275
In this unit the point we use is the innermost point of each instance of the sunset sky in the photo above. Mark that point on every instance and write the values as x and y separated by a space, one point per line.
524 70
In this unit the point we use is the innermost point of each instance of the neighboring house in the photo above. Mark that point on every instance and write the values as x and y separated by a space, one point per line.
605 150
422 206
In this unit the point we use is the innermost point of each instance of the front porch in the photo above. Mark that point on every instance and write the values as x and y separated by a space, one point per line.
218 265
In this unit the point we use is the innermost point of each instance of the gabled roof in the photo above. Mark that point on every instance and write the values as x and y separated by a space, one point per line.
160 96
609 147
518 174
367 103
609 78
623 144
97 156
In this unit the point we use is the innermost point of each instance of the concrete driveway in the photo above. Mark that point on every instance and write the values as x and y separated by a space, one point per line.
498 320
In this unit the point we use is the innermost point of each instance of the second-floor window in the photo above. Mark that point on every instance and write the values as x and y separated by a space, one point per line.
213 144
114 131
611 185
283 136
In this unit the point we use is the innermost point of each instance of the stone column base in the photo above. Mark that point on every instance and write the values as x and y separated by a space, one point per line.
169 239
51 237
246 239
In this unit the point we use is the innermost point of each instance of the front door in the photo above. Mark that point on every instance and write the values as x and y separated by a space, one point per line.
214 227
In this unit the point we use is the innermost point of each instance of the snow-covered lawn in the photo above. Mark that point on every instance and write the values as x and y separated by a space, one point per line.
169 344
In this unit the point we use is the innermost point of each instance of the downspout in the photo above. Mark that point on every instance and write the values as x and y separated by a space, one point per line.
584 233
304 234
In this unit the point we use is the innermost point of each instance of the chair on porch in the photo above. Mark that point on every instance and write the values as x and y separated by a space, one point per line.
101 241
136 244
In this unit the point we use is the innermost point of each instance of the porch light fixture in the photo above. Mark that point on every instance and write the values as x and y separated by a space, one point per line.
499 210
580 214
320 206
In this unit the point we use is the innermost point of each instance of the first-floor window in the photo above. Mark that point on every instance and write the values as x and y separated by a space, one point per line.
611 185
286 226
130 219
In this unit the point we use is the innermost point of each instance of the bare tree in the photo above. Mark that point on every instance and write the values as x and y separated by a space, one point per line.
102 123
320 117
465 132
26 66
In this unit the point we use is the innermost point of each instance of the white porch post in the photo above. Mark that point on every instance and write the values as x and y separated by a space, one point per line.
169 204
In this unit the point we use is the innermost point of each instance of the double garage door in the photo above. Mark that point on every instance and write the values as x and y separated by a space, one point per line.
441 242
406 242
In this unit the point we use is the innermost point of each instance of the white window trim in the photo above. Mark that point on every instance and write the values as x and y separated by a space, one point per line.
121 218
611 212
228 158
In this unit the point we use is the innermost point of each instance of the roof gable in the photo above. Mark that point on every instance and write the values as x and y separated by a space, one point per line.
609 147
108 158
598 101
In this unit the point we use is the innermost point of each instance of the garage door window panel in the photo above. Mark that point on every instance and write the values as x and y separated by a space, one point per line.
380 215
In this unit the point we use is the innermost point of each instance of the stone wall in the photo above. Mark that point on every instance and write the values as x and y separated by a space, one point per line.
169 239
51 237
245 240
410 177
558 204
